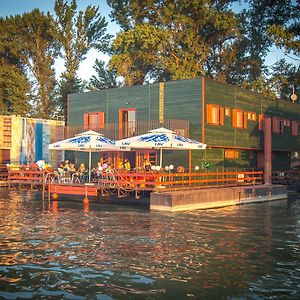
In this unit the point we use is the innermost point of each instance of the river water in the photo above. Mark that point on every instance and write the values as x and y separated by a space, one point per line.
67 250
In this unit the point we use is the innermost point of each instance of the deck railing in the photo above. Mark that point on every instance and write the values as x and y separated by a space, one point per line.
27 176
167 181
3 172
115 131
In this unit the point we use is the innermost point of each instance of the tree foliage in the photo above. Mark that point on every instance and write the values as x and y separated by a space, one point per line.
38 51
159 40
163 40
77 32
14 89
286 34
172 39
104 77
14 85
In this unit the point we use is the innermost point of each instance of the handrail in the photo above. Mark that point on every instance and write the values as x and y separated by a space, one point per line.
175 180
3 172
26 177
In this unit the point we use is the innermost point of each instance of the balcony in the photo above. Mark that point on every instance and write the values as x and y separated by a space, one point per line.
116 131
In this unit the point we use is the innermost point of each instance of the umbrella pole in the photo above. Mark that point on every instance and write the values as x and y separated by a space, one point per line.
160 158
90 162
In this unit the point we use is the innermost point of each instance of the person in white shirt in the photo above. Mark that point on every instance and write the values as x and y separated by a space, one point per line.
40 164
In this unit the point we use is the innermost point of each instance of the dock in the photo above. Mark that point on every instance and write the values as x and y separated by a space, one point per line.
166 191
174 201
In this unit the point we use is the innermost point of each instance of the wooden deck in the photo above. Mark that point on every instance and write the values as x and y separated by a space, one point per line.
130 184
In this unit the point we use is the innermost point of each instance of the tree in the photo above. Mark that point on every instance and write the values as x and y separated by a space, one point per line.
104 79
136 53
14 89
260 23
66 87
29 40
38 51
284 76
77 32
287 34
171 39
14 86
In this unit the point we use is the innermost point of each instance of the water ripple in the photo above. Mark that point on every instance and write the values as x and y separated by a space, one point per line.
62 250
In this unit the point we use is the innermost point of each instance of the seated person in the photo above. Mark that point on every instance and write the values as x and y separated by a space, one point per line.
72 169
82 172
41 164
63 167
147 165
109 169
48 168
97 171
120 165
104 165
127 165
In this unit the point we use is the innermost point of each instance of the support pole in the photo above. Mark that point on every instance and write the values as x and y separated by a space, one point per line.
267 151
90 164
160 158
190 166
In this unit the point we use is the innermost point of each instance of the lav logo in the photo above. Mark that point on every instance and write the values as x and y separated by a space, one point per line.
99 146
56 146
159 144
179 144
125 143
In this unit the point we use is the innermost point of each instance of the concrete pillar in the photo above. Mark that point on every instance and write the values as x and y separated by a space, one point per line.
267 150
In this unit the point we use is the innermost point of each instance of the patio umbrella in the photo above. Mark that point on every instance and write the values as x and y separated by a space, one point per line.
161 138
88 141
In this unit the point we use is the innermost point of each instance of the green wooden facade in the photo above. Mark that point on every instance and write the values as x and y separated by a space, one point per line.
188 100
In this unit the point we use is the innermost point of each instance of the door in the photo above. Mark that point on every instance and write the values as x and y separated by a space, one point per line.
127 122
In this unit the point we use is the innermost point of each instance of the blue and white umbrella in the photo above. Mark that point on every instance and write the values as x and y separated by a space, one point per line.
88 141
161 138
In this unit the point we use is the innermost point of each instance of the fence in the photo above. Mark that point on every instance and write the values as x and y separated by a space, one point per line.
3 172
115 131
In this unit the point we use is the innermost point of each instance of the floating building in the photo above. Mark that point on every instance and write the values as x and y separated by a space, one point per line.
226 118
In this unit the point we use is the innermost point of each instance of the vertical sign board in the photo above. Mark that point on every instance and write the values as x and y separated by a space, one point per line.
161 101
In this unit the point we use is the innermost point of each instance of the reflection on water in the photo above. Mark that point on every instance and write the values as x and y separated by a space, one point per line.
75 251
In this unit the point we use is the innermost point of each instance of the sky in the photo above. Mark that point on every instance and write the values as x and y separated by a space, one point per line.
14 7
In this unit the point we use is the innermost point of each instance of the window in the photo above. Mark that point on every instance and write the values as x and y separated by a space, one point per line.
227 111
231 154
93 120
277 125
239 118
251 116
215 114
287 123
295 128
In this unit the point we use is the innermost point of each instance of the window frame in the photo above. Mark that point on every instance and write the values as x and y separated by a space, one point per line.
214 112
87 117
243 116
